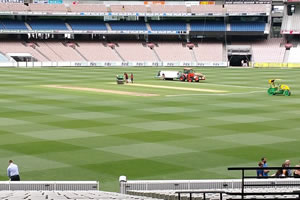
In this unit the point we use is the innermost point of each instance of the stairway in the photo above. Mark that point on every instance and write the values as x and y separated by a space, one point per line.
119 55
193 55
156 55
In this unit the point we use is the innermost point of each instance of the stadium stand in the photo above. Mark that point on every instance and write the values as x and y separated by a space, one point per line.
168 26
168 8
128 8
47 7
13 24
247 26
212 51
88 8
207 26
18 47
53 24
71 195
133 26
247 8
87 25
294 55
173 51
142 53
97 51
268 51
202 9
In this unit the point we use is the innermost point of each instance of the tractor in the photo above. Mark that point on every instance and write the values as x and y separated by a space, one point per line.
276 88
190 75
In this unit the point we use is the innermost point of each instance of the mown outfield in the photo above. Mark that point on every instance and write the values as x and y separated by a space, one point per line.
177 133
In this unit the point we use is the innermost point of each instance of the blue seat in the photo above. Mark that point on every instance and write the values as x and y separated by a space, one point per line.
47 25
3 58
87 25
208 26
13 24
247 26
129 26
168 26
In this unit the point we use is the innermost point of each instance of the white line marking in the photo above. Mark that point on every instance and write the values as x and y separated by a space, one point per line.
179 88
181 95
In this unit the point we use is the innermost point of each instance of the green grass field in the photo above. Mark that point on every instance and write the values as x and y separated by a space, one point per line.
62 134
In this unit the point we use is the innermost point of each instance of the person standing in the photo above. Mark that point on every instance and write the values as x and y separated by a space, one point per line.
131 77
126 77
13 171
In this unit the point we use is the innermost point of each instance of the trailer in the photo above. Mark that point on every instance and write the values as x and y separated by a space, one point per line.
168 75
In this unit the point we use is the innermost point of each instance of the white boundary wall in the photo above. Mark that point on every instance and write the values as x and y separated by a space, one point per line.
201 184
49 185
110 64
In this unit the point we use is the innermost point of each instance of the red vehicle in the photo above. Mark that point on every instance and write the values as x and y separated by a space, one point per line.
190 75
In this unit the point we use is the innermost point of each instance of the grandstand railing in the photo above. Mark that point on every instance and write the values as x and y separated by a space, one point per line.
213 184
49 185
270 183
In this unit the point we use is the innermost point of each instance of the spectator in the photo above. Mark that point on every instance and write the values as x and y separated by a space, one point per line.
13 171
297 172
281 172
260 171
265 165
288 171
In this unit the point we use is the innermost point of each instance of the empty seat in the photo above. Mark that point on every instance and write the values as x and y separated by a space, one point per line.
168 26
47 25
87 25
208 26
133 26
247 26
13 24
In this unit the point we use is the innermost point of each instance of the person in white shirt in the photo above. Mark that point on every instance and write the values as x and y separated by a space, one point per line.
13 171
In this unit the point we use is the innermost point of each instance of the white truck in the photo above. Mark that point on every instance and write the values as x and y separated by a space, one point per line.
169 75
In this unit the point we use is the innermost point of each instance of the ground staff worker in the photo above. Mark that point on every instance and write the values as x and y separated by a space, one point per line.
13 171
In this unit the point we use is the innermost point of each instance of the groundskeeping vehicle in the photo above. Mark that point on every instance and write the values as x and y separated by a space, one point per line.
190 75
278 89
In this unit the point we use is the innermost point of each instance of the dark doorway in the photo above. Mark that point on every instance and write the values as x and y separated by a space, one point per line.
239 60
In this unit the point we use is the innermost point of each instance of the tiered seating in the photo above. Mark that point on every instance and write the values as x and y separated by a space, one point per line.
168 26
247 26
3 58
133 26
64 53
211 52
173 51
141 53
128 8
268 51
18 47
208 26
248 8
88 8
157 8
87 25
47 7
17 7
13 24
47 25
295 23
67 195
171 194
96 51
294 55
202 9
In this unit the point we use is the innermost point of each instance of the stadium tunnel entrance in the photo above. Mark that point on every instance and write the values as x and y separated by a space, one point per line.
239 56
